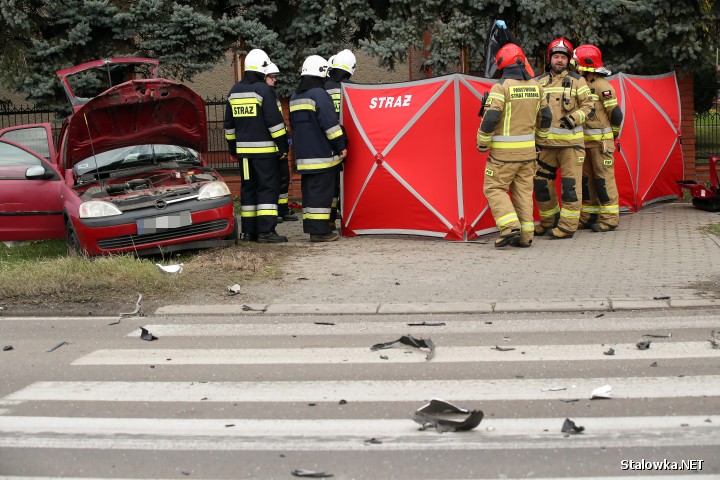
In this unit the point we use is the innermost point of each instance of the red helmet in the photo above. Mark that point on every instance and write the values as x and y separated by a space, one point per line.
589 59
560 45
508 55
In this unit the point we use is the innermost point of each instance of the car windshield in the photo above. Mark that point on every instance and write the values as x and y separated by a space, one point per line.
137 155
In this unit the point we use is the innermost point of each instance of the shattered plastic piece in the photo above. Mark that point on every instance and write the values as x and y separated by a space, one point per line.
57 346
601 392
145 335
662 298
301 472
248 308
7 348
411 341
384 357
446 417
714 340
229 425
323 323
643 345
503 349
342 402
137 312
570 427
170 269
601 315
233 289
610 352
373 441
427 324
553 389
570 400
653 364
655 335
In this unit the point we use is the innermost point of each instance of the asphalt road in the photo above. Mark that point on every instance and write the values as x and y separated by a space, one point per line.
256 397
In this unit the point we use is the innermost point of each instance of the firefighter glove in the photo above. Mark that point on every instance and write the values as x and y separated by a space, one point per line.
483 148
567 122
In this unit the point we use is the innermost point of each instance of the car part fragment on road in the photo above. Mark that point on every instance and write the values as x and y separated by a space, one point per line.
446 417
7 348
715 339
610 352
170 269
570 427
658 335
138 312
643 345
145 335
301 472
52 349
233 289
427 324
411 341
603 392
503 349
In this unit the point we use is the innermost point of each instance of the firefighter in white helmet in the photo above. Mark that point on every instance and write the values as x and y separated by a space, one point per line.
319 145
256 134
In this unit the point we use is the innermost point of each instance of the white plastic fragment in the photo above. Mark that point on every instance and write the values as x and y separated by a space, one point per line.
170 269
602 392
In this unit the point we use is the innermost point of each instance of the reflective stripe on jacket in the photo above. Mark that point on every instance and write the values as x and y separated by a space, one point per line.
604 123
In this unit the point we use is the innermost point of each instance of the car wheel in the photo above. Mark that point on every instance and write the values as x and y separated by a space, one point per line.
235 235
73 243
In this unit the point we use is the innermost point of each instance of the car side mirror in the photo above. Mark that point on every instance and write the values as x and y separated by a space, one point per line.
38 172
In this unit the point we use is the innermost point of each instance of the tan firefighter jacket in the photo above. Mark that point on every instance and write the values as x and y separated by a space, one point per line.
515 116
567 96
603 123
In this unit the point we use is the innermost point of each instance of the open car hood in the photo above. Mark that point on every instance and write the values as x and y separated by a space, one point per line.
137 112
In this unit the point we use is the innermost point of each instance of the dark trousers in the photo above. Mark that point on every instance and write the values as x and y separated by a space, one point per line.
259 192
318 190
283 209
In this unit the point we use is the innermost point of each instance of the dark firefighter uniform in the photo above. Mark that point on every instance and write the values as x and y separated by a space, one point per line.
255 131
334 89
601 207
283 209
515 116
318 141
568 97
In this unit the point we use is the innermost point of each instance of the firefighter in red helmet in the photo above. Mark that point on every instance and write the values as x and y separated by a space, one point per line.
515 117
569 100
601 207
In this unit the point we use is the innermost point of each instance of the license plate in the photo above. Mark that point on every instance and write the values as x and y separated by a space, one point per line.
146 226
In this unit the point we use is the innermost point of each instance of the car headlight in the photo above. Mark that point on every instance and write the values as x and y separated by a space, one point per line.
213 190
96 208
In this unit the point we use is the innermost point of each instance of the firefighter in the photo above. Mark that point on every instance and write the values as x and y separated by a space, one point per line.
256 134
342 67
515 118
320 146
601 208
568 97
284 213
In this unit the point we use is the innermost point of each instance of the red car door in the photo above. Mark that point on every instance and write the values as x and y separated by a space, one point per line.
31 187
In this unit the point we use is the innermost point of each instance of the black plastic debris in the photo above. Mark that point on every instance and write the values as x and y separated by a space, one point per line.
301 472
411 341
384 357
342 402
714 339
502 349
653 364
323 323
7 348
372 441
570 427
569 400
303 278
145 335
248 308
229 425
52 349
446 417
427 324
643 345
661 298
610 352
658 335
601 315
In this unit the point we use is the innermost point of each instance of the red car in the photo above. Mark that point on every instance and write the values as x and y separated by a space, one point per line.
128 175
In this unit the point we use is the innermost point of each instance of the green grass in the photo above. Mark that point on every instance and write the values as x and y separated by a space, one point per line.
713 229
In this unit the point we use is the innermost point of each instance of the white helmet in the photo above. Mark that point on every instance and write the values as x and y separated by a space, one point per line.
257 61
344 60
272 69
315 65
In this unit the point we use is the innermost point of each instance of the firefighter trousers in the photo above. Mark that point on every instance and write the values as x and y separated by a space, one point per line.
601 202
570 162
318 190
284 172
516 213
259 191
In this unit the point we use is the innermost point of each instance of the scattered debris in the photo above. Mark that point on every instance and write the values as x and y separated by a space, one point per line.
397 283
233 289
248 308
503 349
170 269
337 274
7 348
312 404
569 400
653 364
714 339
553 389
658 335
373 441
446 417
323 323
138 312
342 402
411 341
661 298
707 420
601 393
1 310
301 472
145 335
427 324
384 357
302 278
601 315
488 323
570 427
643 345
229 425
52 349
610 352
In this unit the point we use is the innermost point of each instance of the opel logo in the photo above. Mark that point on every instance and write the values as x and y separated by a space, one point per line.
160 204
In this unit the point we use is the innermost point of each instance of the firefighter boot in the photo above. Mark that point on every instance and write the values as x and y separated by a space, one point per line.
510 238
324 237
558 234
541 229
271 237
601 227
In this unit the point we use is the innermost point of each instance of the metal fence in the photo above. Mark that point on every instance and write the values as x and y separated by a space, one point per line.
707 136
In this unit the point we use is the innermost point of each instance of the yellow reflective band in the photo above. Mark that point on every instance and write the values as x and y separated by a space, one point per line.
527 226
246 169
282 201
245 101
230 136
279 133
597 138
549 213
508 114
582 116
302 106
594 96
316 216
610 103
496 96
506 219
569 213
335 135
565 136
530 144
267 213
317 166
257 149
248 214
591 209
484 138
609 208
583 90
541 133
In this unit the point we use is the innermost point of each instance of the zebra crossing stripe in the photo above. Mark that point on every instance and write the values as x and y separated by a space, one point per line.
480 354
370 390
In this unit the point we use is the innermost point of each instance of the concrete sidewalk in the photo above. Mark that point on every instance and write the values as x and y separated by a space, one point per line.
658 258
